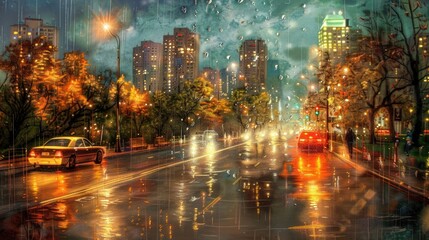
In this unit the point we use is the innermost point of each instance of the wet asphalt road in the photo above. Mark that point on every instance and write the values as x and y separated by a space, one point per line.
264 189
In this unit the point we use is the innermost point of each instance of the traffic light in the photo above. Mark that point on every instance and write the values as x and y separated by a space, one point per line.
317 111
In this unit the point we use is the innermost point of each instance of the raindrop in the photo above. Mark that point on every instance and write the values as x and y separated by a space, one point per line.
208 29
184 9
278 34
281 77
209 1
304 5
220 29
240 38
276 67
240 1
221 44
228 57
283 17
304 29
206 54
194 27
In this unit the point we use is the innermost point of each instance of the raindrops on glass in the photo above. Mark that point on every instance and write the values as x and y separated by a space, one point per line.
276 67
228 57
206 54
194 27
304 5
281 77
220 29
304 29
184 9
221 44
209 29
240 38
240 1
283 17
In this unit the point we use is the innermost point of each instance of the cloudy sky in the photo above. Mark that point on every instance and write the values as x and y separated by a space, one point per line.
288 26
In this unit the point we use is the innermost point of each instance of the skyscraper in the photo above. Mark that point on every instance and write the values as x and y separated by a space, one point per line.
180 58
337 38
31 29
253 65
147 60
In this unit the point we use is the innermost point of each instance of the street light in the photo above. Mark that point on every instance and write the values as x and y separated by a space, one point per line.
107 27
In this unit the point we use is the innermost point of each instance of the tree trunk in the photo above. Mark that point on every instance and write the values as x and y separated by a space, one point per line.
371 129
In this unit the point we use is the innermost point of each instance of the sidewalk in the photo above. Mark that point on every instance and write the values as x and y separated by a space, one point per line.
400 173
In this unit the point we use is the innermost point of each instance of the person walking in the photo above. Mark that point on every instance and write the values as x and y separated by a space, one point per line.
350 138
395 152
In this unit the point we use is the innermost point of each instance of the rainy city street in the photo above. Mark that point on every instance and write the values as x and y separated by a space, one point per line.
264 189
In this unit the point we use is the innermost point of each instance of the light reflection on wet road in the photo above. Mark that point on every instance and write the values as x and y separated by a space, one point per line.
265 190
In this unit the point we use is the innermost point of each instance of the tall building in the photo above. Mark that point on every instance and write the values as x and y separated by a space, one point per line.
337 38
33 28
253 65
180 58
147 61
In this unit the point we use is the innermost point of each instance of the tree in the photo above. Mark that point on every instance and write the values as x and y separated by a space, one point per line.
30 70
408 25
187 102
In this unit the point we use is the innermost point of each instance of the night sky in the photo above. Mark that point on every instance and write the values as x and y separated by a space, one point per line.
289 27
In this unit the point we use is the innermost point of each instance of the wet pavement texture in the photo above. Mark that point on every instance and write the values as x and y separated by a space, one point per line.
228 190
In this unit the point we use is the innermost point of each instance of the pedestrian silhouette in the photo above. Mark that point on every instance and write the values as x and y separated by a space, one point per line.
350 138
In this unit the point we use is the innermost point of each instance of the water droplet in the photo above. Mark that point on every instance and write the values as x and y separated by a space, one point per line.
283 17
228 57
221 44
194 27
276 67
278 34
304 5
240 1
184 9
240 38
208 29
220 29
281 77
206 54
304 29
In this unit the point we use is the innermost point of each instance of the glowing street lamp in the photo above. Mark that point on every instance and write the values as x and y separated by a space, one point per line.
107 28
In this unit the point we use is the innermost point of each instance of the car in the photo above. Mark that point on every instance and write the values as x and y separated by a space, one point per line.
311 140
66 152
210 135
197 137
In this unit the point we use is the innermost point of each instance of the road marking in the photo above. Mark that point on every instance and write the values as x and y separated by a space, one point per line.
236 181
216 200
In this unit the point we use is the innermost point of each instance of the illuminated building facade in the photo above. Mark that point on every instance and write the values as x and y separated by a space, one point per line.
180 59
147 62
253 65
31 29
336 38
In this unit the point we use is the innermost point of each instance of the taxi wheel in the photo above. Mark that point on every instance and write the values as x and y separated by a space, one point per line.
99 157
71 163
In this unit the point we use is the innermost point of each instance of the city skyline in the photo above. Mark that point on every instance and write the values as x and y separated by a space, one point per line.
222 25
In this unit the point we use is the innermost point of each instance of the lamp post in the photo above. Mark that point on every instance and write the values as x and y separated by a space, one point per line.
118 87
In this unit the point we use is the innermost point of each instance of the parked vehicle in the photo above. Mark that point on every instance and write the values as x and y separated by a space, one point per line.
66 152
311 140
